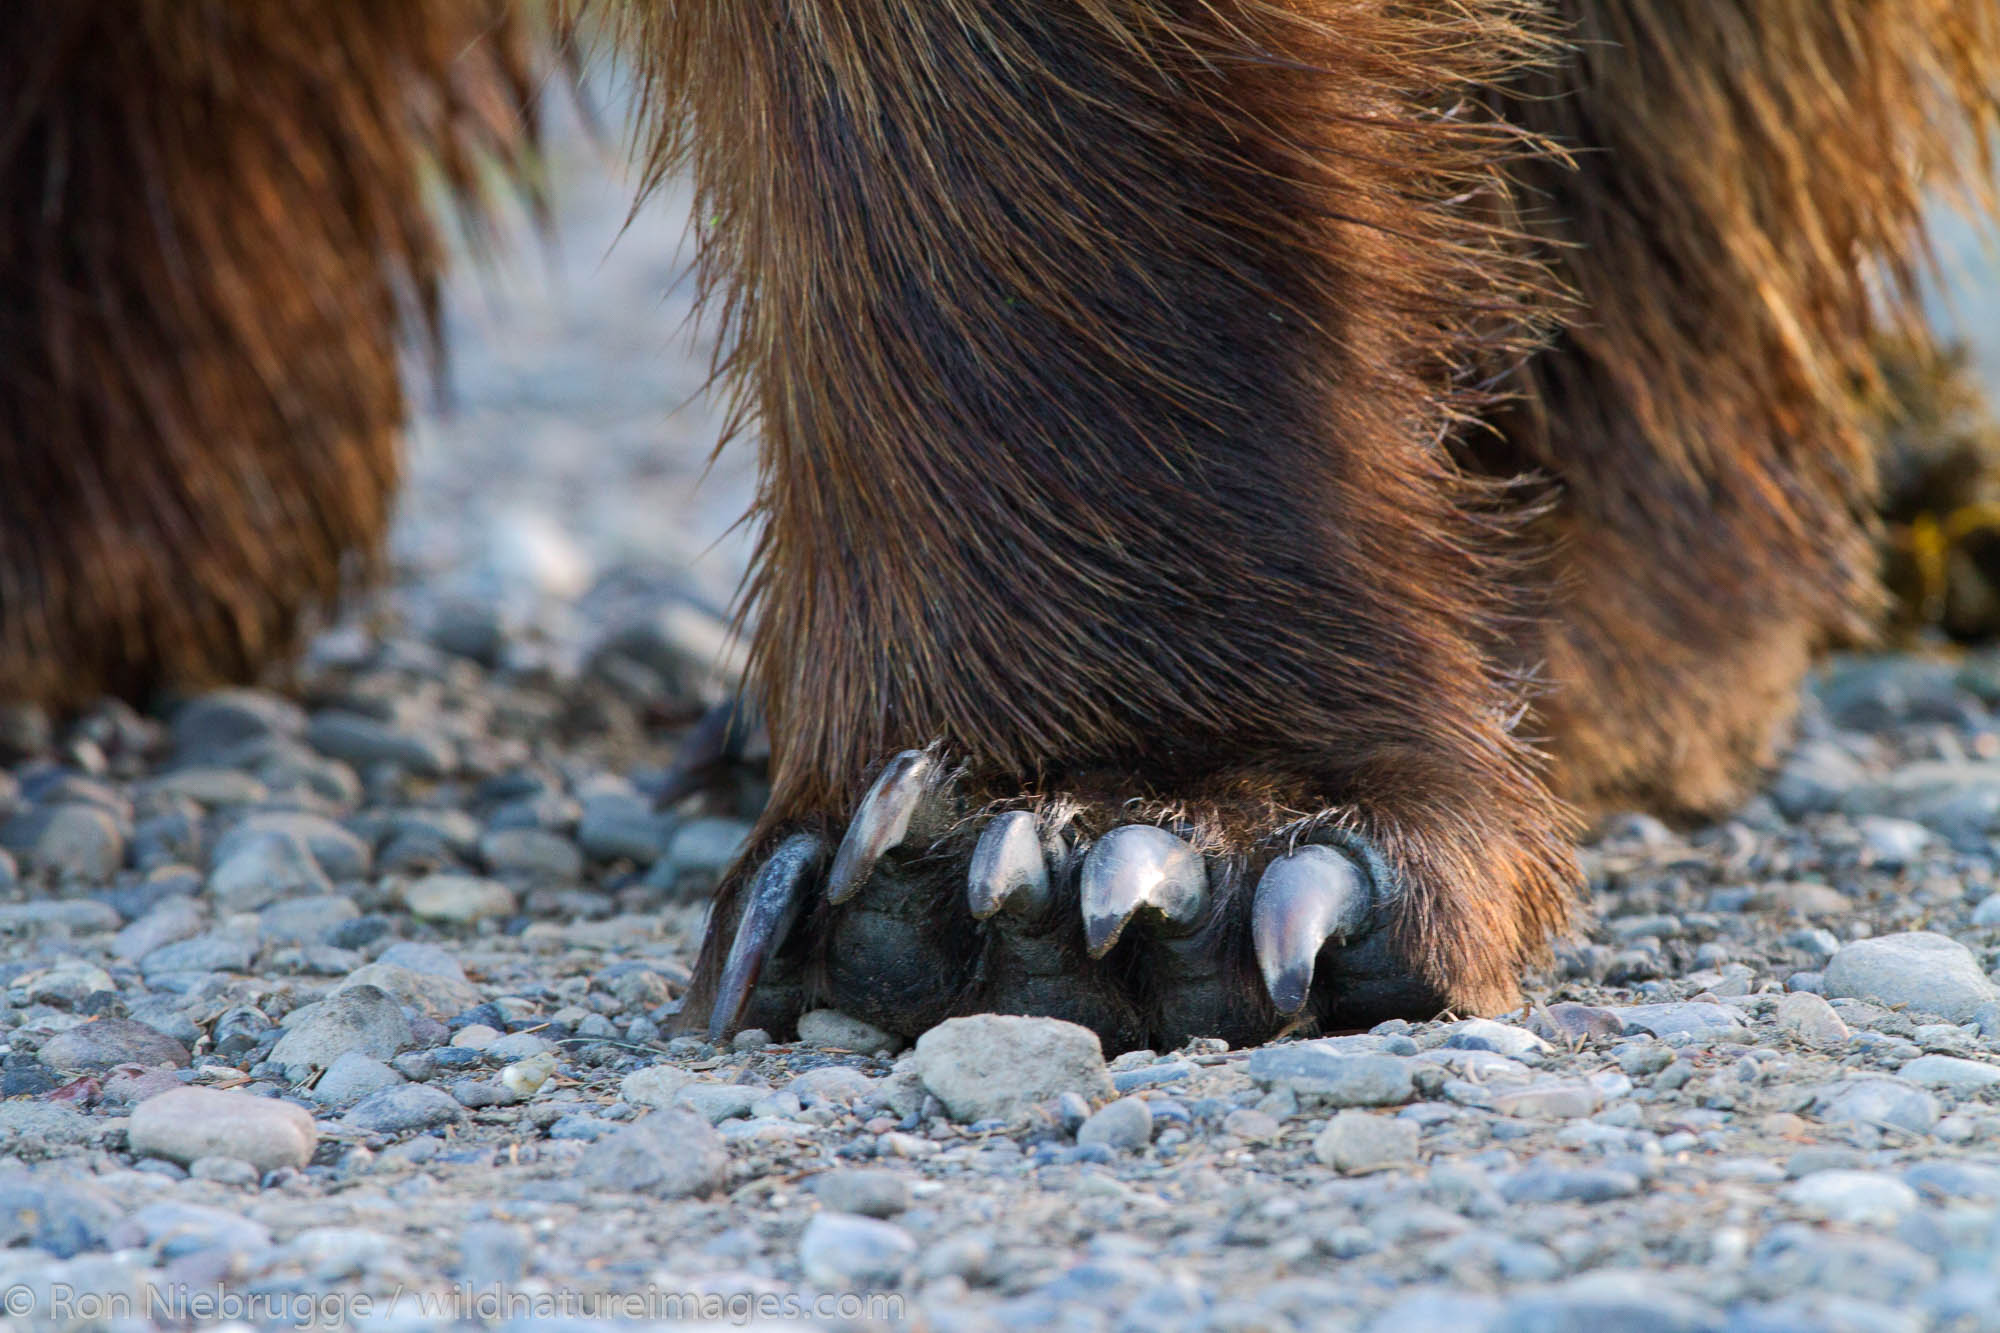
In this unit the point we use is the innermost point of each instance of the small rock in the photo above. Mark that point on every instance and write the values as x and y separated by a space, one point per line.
1988 912
404 1109
840 1250
668 1154
63 1219
1483 1034
361 1019
351 1077
1571 1185
1857 1198
1692 1018
993 1066
177 918
716 1102
96 1046
1811 1019
836 1031
226 719
655 1086
1548 1101
1566 1021
1916 969
1125 1125
1320 1070
533 855
863 1192
360 740
1355 1141
71 841
1949 1072
224 1171
264 867
1252 1125
434 994
336 851
462 899
1878 1102
190 1123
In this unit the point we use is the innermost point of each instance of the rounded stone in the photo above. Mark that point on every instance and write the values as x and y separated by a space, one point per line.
1917 969
1125 1125
462 899
668 1154
864 1192
842 1250
1354 1142
833 1030
655 1086
262 868
109 1042
360 1019
998 1067
1857 1198
190 1123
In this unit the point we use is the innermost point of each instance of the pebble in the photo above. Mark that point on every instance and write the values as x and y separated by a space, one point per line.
69 841
656 1086
403 1109
264 867
1949 1073
834 1030
1921 970
667 1154
1988 911
335 850
190 1123
363 1020
63 1220
352 1076
1565 1100
1703 1021
716 1102
1878 1102
1811 1019
108 1042
999 1067
1856 1198
460 899
225 720
1321 1071
1354 1142
533 855
1483 1034
841 1250
1125 1125
360 740
1569 1185
862 1191
434 994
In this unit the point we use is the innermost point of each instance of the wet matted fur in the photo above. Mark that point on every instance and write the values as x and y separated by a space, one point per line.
213 221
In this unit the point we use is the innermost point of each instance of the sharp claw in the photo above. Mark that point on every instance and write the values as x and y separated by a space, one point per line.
771 905
882 821
1304 899
1135 868
1008 870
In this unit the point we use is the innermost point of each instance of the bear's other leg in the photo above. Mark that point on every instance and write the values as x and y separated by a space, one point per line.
212 217
1740 222
1104 357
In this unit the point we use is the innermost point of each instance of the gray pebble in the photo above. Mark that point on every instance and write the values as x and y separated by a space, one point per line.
1948 1073
864 1192
1321 1071
1855 1198
362 1019
227 719
1695 1019
533 855
716 1102
1811 1019
1125 1125
313 920
623 828
63 1219
840 1250
108 1042
1356 1141
1919 969
191 1123
668 1154
262 867
459 899
339 853
70 841
836 1031
999 1066
405 1109
1878 1102
352 1076
1568 1185
360 740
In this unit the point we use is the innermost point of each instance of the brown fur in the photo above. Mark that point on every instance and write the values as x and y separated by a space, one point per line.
1742 222
1114 458
214 220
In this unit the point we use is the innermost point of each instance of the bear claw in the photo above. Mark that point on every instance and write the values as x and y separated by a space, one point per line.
1306 899
1140 871
772 905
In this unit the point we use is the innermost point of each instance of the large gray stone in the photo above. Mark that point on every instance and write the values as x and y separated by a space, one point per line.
362 1019
189 1123
997 1067
668 1154
1916 969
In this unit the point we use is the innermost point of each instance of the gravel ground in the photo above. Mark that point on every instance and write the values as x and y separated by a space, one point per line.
344 1003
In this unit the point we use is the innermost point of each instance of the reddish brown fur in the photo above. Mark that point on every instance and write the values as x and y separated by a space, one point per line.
1741 169
214 219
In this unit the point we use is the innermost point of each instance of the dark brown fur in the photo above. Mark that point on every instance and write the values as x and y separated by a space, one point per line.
213 219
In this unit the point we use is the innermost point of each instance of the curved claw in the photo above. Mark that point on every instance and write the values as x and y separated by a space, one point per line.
1009 871
881 822
1304 899
1135 868
771 905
